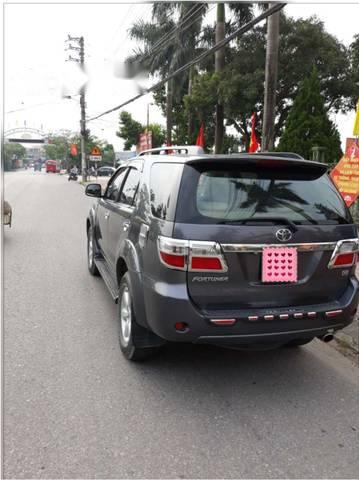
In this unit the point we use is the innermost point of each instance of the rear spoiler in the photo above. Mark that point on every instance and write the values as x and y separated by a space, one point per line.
269 161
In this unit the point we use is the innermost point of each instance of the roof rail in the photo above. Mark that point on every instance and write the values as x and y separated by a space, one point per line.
182 150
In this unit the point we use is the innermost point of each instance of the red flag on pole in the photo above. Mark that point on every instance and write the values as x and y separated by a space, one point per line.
200 139
73 149
254 144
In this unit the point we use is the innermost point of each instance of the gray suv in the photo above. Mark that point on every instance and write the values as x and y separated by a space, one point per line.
236 250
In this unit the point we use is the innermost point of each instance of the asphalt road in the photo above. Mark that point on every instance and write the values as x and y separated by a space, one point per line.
75 408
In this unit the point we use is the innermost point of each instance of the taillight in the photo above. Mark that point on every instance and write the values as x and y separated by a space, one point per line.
176 261
206 257
345 254
344 259
194 256
173 253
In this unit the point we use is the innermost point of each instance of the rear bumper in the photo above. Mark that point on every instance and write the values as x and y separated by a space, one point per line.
167 304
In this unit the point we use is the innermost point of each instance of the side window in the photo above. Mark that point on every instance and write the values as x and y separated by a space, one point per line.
164 184
114 186
129 189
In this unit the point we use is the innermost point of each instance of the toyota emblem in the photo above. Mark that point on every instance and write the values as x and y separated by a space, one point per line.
284 234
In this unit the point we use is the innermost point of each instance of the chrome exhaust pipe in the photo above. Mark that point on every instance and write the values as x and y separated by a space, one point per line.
328 337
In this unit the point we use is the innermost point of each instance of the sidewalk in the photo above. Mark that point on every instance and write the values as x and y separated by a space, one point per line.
103 181
348 338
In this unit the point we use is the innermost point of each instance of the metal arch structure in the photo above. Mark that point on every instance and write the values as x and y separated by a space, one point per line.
13 135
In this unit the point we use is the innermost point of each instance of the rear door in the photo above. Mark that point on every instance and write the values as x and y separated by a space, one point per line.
119 221
106 208
247 206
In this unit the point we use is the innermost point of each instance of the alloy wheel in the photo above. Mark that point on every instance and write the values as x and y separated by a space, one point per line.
125 316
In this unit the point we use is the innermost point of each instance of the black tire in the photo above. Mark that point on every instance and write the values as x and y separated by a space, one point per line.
128 326
299 342
91 253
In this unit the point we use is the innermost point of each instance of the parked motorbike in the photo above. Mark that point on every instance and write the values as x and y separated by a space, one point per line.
73 176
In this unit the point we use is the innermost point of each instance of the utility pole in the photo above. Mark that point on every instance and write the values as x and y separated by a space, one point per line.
80 48
219 67
271 75
169 115
190 127
148 125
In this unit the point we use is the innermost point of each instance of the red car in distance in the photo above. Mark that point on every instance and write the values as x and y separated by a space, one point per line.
51 166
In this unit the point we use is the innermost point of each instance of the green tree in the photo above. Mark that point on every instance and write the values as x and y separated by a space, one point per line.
91 141
158 134
194 41
108 153
161 57
12 152
303 43
131 129
354 68
202 103
308 124
58 148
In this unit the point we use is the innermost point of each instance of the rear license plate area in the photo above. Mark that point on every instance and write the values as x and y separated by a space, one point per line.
279 265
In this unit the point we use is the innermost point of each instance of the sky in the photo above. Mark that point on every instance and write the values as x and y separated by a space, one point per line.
36 74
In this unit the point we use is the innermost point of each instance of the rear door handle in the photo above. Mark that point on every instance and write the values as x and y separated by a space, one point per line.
126 226
107 214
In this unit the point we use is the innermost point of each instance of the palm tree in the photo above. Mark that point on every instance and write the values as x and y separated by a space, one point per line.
260 198
243 12
168 44
271 75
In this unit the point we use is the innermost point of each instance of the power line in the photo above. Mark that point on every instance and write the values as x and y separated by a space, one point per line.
167 38
186 17
129 9
122 44
170 34
219 45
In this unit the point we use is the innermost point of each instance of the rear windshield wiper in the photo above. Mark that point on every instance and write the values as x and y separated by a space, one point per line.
277 220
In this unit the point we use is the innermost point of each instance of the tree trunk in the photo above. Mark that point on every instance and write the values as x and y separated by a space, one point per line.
190 114
219 67
246 135
169 105
271 74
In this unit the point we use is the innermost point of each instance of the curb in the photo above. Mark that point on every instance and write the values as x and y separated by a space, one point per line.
348 341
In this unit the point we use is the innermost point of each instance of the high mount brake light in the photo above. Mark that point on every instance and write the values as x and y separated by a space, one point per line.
192 256
270 162
345 254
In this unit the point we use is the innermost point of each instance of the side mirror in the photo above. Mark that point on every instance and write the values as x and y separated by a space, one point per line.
94 190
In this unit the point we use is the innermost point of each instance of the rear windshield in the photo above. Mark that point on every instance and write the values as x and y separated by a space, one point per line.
248 194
